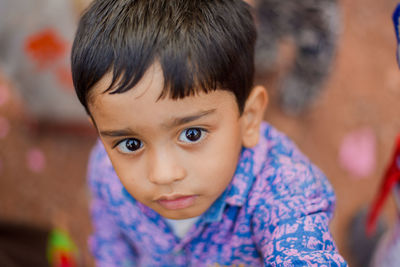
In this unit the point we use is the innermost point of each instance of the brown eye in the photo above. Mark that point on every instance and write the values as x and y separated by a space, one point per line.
192 135
130 145
133 144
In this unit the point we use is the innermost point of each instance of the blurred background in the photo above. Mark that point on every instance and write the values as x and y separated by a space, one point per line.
347 125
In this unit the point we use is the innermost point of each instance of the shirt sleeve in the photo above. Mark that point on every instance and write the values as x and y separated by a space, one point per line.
107 242
304 241
291 224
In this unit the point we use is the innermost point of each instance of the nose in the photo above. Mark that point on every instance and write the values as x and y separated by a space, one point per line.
164 168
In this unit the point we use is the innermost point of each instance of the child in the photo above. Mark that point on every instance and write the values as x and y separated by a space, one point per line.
185 173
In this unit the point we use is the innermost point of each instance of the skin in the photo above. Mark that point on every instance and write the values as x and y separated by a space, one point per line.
184 151
250 2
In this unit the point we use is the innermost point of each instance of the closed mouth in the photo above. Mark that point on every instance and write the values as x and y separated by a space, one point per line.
177 201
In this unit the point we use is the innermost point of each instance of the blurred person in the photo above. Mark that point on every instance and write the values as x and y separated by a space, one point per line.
376 244
185 172
310 28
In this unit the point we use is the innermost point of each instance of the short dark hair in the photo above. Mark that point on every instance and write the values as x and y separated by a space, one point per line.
201 45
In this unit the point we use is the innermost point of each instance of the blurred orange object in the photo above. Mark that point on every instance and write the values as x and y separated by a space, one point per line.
45 47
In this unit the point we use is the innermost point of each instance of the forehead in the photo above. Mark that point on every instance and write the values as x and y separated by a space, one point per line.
152 78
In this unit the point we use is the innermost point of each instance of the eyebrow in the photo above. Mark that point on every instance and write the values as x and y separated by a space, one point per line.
183 120
174 123
117 133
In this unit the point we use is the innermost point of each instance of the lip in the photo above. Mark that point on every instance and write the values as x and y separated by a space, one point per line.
176 201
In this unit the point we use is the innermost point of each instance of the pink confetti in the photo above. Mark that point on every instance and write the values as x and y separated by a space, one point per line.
357 153
35 160
4 94
4 127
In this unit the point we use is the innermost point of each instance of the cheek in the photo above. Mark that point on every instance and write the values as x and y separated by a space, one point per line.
214 174
228 154
131 175
218 165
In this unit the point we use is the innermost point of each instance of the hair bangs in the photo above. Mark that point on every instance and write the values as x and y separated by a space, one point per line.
201 46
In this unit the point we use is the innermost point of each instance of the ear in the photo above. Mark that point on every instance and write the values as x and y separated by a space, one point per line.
252 116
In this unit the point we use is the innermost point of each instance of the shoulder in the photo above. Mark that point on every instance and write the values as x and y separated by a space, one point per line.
100 165
102 178
289 182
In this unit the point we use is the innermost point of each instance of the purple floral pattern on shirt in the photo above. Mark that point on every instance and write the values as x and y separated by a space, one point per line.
275 212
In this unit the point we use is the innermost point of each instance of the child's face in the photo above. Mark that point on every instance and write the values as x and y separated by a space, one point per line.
174 156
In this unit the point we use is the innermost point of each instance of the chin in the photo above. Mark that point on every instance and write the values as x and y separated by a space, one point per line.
180 214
